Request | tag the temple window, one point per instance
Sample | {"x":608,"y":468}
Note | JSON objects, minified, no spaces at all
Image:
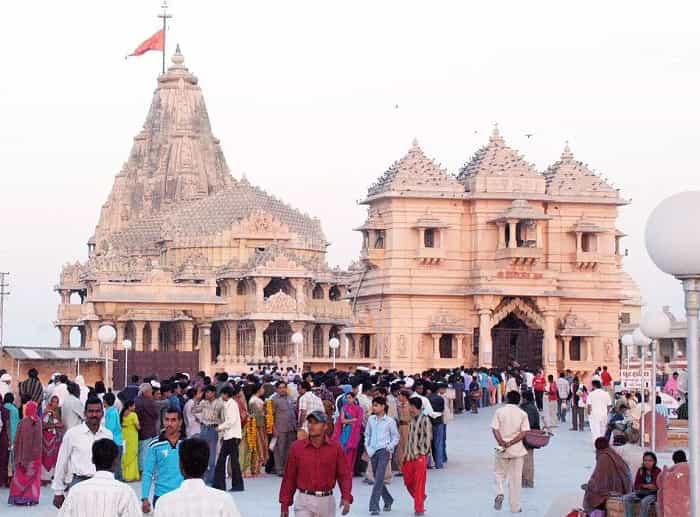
{"x":241,"y":288}
{"x":429,"y":238}
{"x":334,"y":293}
{"x":218,"y":290}
{"x":625,"y":318}
{"x":318,"y":341}
{"x":279,"y":284}
{"x":317,"y":293}
{"x":379,"y":240}
{"x":589,"y":242}
{"x":445,"y":346}
{"x":575,"y":348}
{"x":365,"y":346}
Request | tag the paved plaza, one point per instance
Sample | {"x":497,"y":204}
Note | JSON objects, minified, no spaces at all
{"x":463,"y":488}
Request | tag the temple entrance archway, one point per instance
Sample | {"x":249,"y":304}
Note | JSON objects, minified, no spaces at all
{"x":514,"y":340}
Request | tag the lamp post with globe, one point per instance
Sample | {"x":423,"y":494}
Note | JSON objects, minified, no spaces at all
{"x":673,"y":243}
{"x":127,"y":346}
{"x":334,"y":343}
{"x":297,"y":340}
{"x":106,"y":336}
{"x":642,"y":341}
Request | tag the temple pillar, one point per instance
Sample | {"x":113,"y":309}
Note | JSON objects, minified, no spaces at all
{"x":579,"y":244}
{"x":260,"y":283}
{"x":260,"y":327}
{"x":567,"y":349}
{"x":204,"y":346}
{"x":351,"y":338}
{"x":501,"y":235}
{"x":299,"y":285}
{"x":325,"y":331}
{"x":512,"y":237}
{"x":138,"y":335}
{"x":65,"y":296}
{"x":155,"y":336}
{"x":460,"y":346}
{"x":589,"y":349}
{"x":121,"y":334}
{"x":485,"y":342}
{"x":186,"y":343}
{"x":676,"y":348}
{"x":549,"y":343}
{"x":436,"y":345}
{"x":65,"y":335}
{"x":92,"y":341}
{"x":538,"y":235}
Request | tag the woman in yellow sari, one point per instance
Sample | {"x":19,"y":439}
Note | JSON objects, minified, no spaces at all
{"x":130,"y":434}
{"x":254,"y":446}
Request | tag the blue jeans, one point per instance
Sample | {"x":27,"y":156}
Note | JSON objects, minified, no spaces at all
{"x":380,"y":460}
{"x":211,"y":436}
{"x":485,"y":397}
{"x":646,"y":502}
{"x":439,"y":445}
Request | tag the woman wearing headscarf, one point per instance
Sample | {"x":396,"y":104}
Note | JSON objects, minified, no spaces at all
{"x":52,"y":426}
{"x":26,"y":482}
{"x":348,"y":427}
{"x":611,"y":475}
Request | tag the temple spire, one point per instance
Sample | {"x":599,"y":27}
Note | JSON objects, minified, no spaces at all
{"x":566,"y":154}
{"x":496,"y":134}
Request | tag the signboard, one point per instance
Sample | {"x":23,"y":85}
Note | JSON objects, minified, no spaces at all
{"x":631,"y":379}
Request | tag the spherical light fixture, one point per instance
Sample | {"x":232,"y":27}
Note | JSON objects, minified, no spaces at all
{"x":671,"y":236}
{"x":640,"y":339}
{"x":297,"y":338}
{"x":106,"y":335}
{"x":655,"y":324}
{"x":334,"y":343}
{"x":127,"y":344}
{"x":627,"y":341}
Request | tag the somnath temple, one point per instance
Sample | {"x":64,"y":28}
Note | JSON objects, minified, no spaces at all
{"x":499,"y":263}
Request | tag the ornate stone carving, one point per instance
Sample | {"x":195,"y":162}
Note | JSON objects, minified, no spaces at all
{"x":444,"y":321}
{"x":574,"y":325}
{"x":280,"y":303}
{"x":402,"y":346}
{"x":526,"y":311}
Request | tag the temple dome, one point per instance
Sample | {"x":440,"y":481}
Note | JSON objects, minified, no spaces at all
{"x":570,"y":177}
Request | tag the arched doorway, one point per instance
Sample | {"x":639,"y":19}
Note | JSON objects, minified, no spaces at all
{"x":514,"y":340}
{"x":318,"y":341}
{"x":446,"y":346}
{"x":277,"y":339}
{"x":365,"y":346}
{"x":279,"y":284}
{"x":215,"y":341}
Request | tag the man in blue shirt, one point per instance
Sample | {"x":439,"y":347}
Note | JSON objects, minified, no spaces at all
{"x":163,"y":461}
{"x":381,"y":438}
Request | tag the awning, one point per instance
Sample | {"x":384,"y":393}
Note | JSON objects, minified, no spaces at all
{"x":51,"y":354}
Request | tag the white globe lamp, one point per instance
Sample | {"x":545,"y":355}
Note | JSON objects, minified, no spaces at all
{"x":655,"y":324}
{"x":334,"y":343}
{"x":127,"y":346}
{"x":640,"y":339}
{"x":106,"y":335}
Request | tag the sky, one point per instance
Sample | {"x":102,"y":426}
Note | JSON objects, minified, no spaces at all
{"x":313,"y":100}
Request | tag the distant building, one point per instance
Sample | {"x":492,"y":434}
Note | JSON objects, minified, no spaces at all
{"x":498,"y":264}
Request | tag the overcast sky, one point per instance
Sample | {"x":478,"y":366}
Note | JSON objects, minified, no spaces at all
{"x":302,"y":95}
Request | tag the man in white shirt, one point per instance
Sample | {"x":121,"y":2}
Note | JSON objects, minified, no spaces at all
{"x":307,"y":404}
{"x":75,"y":454}
{"x":102,"y":495}
{"x":509,"y":426}
{"x":230,"y":433}
{"x":599,"y":405}
{"x":72,"y":410}
{"x":563,"y":390}
{"x":194,"y":498}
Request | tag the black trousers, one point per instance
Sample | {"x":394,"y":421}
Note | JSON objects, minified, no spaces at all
{"x":228,"y":448}
{"x":538,"y":399}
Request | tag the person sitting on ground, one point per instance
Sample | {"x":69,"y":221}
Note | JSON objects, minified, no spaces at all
{"x":645,"y":487}
{"x":610,"y":476}
{"x":194,"y":498}
{"x":102,"y":494}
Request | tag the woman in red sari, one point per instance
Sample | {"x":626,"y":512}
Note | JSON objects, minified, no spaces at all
{"x":53,"y":435}
{"x":348,"y":428}
{"x":26,"y":482}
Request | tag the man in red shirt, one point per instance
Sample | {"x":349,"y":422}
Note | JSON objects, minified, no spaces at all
{"x":606,"y":379}
{"x":313,"y":467}
{"x":538,"y":386}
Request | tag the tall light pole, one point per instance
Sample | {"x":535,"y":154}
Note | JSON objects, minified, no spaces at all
{"x":106,"y":336}
{"x":127,"y":346}
{"x":628,"y":343}
{"x":655,"y":325}
{"x":673,"y":243}
{"x":334,"y":343}
{"x":642,"y":342}
{"x":297,"y":340}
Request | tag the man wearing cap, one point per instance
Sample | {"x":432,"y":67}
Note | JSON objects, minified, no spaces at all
{"x":314,"y":465}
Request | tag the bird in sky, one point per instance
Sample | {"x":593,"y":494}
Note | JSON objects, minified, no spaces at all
{"x":528,"y":135}
{"x":396,"y":106}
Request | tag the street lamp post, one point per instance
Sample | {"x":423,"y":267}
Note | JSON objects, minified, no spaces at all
{"x":106,"y":336}
{"x":655,"y":325}
{"x":643,"y":342}
{"x":127,"y":346}
{"x":297,"y":339}
{"x":673,"y":243}
{"x":628,"y":343}
{"x":334,"y":343}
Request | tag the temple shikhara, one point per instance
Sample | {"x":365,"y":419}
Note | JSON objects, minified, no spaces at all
{"x":201,"y":270}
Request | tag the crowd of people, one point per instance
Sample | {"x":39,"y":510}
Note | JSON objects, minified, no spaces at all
{"x":314,"y":430}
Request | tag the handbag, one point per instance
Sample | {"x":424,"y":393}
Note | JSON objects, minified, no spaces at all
{"x":536,"y":439}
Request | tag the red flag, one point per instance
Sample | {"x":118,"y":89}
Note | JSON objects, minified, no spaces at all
{"x":155,"y":42}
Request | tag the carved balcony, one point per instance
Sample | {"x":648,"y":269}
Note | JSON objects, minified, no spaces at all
{"x":587,"y":260}
{"x":430,"y":255}
{"x":522,"y":256}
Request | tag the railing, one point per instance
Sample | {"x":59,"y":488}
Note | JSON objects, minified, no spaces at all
{"x":72,"y":312}
{"x":339,"y":310}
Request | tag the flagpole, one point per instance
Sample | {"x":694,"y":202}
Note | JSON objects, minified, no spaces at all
{"x":165,"y":17}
